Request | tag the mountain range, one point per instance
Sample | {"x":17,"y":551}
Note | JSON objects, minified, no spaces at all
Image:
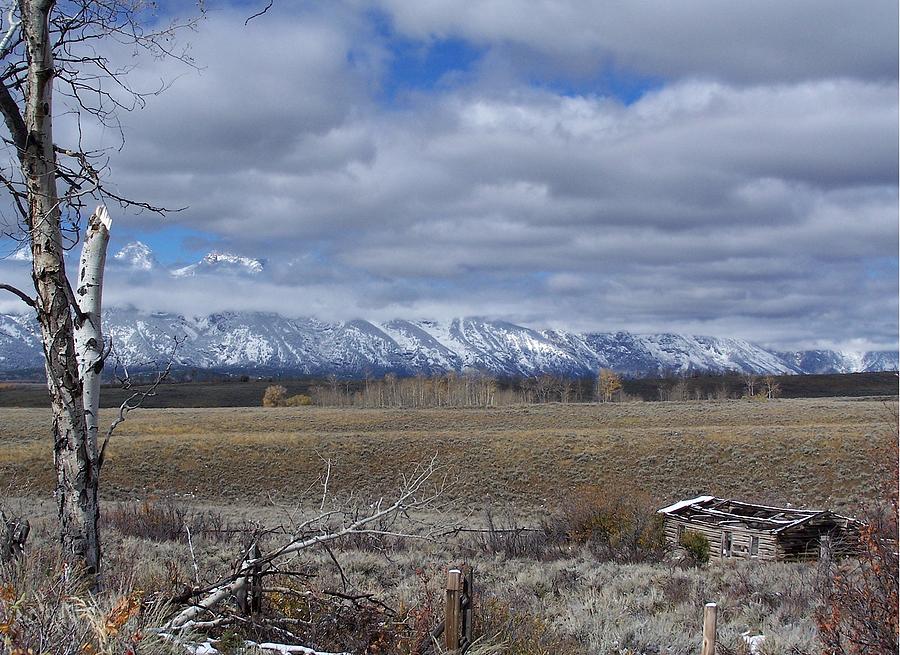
{"x":251,"y":341}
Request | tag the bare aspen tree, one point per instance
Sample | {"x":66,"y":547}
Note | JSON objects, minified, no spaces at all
{"x":567,"y":387}
{"x":679,"y":390}
{"x":608,"y":385}
{"x":49,"y":46}
{"x":773,"y":389}
{"x":750,"y":381}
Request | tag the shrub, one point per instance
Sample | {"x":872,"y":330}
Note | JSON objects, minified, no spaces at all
{"x":149,"y":519}
{"x":46,"y":608}
{"x":621,"y":528}
{"x":300,"y":400}
{"x":274,"y":396}
{"x":859,"y":601}
{"x":520,"y":632}
{"x":165,"y":520}
{"x":697,"y":547}
{"x":507,"y":538}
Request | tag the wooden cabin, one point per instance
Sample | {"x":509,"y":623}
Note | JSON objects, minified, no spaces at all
{"x":745,"y":530}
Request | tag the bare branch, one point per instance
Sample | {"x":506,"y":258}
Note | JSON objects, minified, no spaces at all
{"x":327,"y":463}
{"x":28,"y":300}
{"x":136,"y":399}
{"x":15,"y":122}
{"x":411,"y":494}
{"x":10,"y":30}
{"x":259,"y":13}
{"x":190,"y":541}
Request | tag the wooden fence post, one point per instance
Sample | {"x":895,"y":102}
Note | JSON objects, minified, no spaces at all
{"x":256,"y":589}
{"x":709,"y":629}
{"x":452,"y":610}
{"x":249,"y":599}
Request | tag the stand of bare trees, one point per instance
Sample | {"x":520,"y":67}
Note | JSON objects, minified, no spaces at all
{"x":473,"y":388}
{"x":450,"y":390}
{"x":468,"y":389}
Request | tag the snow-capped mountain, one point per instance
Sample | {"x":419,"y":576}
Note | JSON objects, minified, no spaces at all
{"x":222,"y":262}
{"x":257,"y":341}
{"x":20,"y":342}
{"x":830,"y":361}
{"x":136,"y":256}
{"x":23,"y":254}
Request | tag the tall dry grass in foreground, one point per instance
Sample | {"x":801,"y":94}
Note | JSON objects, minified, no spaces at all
{"x":577,"y":585}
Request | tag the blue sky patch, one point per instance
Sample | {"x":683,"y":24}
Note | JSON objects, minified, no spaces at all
{"x":171,"y":244}
{"x":612,"y":82}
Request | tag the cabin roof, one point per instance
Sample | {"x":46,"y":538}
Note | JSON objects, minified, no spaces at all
{"x":724,"y":512}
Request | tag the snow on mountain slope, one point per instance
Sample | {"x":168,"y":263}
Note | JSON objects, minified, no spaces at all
{"x":222,"y":262}
{"x":880,"y":360}
{"x":247,"y":340}
{"x":20,"y":342}
{"x":136,"y":256}
{"x":422,"y":350}
{"x":634,"y":354}
{"x":830,"y":361}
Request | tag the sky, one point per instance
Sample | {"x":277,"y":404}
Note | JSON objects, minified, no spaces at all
{"x":704,"y":167}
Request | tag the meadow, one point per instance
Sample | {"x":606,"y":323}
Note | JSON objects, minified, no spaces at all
{"x":185,"y":489}
{"x":817,"y":452}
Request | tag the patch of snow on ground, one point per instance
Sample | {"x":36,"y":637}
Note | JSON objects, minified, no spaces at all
{"x":754,"y":643}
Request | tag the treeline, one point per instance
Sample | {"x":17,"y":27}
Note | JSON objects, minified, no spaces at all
{"x":450,"y":390}
{"x":243,"y":390}
{"x":478,"y":389}
{"x":469,"y":389}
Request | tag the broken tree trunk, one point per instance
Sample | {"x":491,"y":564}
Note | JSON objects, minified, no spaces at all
{"x":88,"y":334}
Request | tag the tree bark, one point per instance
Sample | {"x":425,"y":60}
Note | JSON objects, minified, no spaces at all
{"x":74,"y":459}
{"x":88,"y":334}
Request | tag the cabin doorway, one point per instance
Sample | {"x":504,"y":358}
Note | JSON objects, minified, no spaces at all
{"x":726,"y":544}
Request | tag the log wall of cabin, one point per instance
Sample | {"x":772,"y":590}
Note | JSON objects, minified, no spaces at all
{"x":803,"y":542}
{"x":740,"y":539}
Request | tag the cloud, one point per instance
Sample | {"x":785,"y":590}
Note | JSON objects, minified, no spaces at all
{"x":750,"y":42}
{"x":743,"y":197}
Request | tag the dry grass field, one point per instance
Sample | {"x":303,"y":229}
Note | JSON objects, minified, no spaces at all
{"x":539,"y":593}
{"x":818,"y":452}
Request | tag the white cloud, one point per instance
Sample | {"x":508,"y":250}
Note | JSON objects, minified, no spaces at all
{"x":761,"y":205}
{"x":760,"y":41}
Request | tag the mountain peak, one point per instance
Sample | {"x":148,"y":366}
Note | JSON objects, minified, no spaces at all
{"x":137,"y":255}
{"x":228,"y":259}
{"x":217,"y":261}
{"x":23,"y":254}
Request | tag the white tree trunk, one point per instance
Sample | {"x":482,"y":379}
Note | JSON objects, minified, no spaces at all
{"x":88,"y":335}
{"x":75,"y":462}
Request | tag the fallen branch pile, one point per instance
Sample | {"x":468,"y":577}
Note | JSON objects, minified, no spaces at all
{"x":236,"y":602}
